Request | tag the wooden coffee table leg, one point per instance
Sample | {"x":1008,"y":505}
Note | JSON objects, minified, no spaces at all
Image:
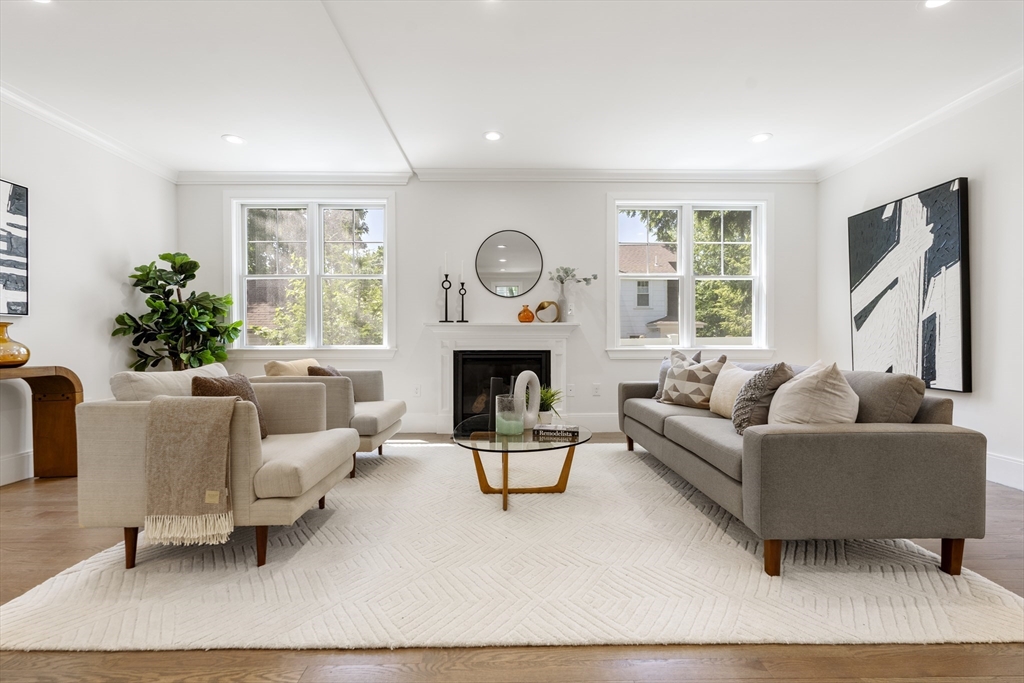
{"x":481,"y":476}
{"x":504,"y":481}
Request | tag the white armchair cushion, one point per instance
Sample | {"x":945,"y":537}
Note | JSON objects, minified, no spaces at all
{"x":145,"y":386}
{"x":373,"y":417}
{"x":295,"y":463}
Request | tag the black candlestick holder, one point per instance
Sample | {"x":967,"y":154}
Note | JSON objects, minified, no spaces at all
{"x":446,"y":284}
{"x":462,"y":295}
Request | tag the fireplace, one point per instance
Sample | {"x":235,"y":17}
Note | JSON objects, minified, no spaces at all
{"x":472,"y":372}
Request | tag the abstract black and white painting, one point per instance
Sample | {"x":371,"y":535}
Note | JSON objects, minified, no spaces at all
{"x":14,"y":249}
{"x":909,"y":287}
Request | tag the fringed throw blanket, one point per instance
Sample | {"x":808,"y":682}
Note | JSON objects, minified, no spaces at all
{"x":187,"y":470}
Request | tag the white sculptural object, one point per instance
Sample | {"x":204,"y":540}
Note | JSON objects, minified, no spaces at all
{"x":528,"y":380}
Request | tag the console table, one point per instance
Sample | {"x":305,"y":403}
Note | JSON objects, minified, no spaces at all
{"x":55,"y":393}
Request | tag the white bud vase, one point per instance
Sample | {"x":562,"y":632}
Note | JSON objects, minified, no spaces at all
{"x":563,"y":305}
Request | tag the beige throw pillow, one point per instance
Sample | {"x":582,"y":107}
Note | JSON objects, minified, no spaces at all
{"x":730,"y":380}
{"x":691,"y":385}
{"x":288,"y":368}
{"x":818,"y":395}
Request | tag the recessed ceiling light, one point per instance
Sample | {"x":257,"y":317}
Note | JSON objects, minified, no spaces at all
{"x":502,"y":260}
{"x":501,"y":246}
{"x":43,"y":2}
{"x":932,"y":4}
{"x":503,"y":270}
{"x":761,"y":137}
{"x":492,"y":135}
{"x":233,"y":139}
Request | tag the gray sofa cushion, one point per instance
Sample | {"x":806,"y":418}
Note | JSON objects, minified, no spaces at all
{"x":652,"y":414}
{"x":373,"y":417}
{"x":715,"y":441}
{"x":295,"y":463}
{"x":886,"y":397}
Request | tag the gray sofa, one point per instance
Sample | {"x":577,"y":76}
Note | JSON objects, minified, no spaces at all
{"x":876,"y":478}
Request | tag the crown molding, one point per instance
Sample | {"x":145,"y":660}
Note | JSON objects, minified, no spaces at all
{"x":269,"y":178}
{"x":605,"y":176}
{"x":955,"y":107}
{"x":55,"y":117}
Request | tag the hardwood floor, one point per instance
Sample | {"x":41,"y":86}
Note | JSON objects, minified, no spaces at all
{"x":40,"y":537}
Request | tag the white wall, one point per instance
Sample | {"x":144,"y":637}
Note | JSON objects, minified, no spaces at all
{"x":568,"y":221}
{"x":985,"y":144}
{"x":93,"y":217}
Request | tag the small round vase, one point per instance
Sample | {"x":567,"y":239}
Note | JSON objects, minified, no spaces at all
{"x":13,"y":354}
{"x":526,"y":315}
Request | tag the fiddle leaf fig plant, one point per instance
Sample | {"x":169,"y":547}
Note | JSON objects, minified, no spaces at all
{"x":188,"y":331}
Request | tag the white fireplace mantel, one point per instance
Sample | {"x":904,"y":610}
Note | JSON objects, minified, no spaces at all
{"x":496,"y":337}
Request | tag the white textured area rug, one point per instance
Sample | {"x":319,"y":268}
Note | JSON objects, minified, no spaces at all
{"x":412,"y":554}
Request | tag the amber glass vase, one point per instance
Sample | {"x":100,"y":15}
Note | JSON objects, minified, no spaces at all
{"x":526,"y":315}
{"x":12,"y":354}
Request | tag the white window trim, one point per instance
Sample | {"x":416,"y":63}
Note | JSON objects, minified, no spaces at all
{"x":764,"y":341}
{"x":235,"y":263}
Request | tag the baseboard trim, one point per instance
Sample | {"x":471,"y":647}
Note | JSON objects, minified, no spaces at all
{"x":1006,"y":470}
{"x":15,"y":467}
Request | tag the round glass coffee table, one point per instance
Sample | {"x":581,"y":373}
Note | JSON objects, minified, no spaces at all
{"x":473,"y":434}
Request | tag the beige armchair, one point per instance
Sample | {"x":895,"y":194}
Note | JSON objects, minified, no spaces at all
{"x":274,"y":481}
{"x":356,"y":400}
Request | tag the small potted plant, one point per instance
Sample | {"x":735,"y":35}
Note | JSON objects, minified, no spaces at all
{"x":548,"y":398}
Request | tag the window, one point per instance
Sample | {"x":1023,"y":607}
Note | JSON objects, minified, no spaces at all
{"x":314,"y":274}
{"x":643,"y":294}
{"x":688,"y":275}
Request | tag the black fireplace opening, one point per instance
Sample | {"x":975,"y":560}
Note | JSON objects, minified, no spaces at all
{"x":473,"y":371}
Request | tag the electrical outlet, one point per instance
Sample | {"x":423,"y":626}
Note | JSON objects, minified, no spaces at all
{"x":572,"y":309}
{"x":596,"y":390}
{"x":416,"y":390}
{"x":570,"y":390}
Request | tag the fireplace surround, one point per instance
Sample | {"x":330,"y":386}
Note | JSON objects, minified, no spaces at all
{"x":472,"y":371}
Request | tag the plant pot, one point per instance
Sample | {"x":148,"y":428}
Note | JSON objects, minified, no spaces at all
{"x":544,"y":417}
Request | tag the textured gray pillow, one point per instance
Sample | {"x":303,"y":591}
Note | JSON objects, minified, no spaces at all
{"x":754,"y":399}
{"x":665,"y":365}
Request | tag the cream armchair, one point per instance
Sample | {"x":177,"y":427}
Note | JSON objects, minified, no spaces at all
{"x":274,"y":481}
{"x":356,"y":400}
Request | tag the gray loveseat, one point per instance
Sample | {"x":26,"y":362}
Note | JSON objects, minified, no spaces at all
{"x":873,"y":479}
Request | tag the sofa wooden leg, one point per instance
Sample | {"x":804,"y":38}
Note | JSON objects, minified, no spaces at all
{"x":380,"y":449}
{"x":952,"y":556}
{"x":131,"y":543}
{"x":323,"y":501}
{"x":772,"y":556}
{"x":352,"y":474}
{"x":262,"y":532}
{"x":629,"y":443}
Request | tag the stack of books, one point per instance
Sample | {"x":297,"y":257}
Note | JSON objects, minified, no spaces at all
{"x":556,"y":433}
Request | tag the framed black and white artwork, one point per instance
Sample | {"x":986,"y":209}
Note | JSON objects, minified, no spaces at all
{"x":14,"y":249}
{"x":910,"y":287}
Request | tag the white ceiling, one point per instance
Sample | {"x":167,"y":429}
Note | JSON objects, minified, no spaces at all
{"x":572,"y":85}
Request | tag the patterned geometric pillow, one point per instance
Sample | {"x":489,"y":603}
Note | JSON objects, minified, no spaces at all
{"x":675,"y":356}
{"x":755,"y":398}
{"x":691,"y":385}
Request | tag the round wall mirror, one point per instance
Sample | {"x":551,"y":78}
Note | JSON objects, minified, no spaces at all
{"x":509,"y":263}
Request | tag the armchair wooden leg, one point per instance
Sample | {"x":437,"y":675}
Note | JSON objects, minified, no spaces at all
{"x":952,"y":556}
{"x":262,"y":532}
{"x":352,"y":474}
{"x":323,"y":501}
{"x":131,"y":543}
{"x":380,"y":449}
{"x":772,"y":556}
{"x":629,"y":443}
